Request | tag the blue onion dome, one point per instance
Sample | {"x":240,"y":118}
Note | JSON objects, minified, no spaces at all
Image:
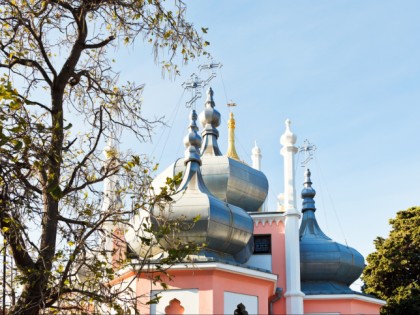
{"x":226,"y":230}
{"x":327,"y":267}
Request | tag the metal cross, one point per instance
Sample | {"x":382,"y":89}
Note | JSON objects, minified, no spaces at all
{"x":231,"y":104}
{"x":308,"y":149}
{"x":211,"y":66}
{"x":194,"y":84}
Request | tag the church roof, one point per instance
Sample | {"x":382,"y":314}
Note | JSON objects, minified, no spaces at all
{"x":327,"y":267}
{"x":226,"y":178}
{"x":225,"y":229}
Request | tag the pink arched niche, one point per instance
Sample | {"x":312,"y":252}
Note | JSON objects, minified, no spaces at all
{"x":174,"y":308}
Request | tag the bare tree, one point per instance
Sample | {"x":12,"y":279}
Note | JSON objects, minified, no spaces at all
{"x":56,"y":53}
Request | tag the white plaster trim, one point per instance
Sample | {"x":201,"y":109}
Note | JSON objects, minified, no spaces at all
{"x":345,"y":297}
{"x":228,"y":268}
{"x":268,"y":218}
{"x":211,"y":265}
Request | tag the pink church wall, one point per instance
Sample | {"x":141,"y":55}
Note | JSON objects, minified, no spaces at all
{"x":278,"y":261}
{"x":211,"y":285}
{"x":343,"y":306}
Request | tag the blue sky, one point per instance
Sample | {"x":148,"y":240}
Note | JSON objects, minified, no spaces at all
{"x":346,"y":73}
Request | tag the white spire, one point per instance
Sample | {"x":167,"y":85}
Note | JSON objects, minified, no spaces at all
{"x":256,"y":157}
{"x":293,"y":294}
{"x":256,"y":163}
{"x":288,"y":140}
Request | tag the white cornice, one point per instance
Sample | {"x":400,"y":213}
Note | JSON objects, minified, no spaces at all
{"x":345,"y":297}
{"x":227,"y":268}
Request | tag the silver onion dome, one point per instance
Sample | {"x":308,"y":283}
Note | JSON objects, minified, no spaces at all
{"x":327,"y":267}
{"x":225,"y":229}
{"x":226,"y":178}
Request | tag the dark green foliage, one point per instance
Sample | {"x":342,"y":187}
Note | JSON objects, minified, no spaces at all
{"x":393,"y":271}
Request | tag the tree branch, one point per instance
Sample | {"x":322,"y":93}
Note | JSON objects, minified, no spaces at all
{"x":72,"y":221}
{"x":29,"y":63}
{"x":68,"y":188}
{"x":12,"y":233}
{"x":100,"y":44}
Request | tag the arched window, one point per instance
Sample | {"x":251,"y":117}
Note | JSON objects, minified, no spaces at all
{"x":174,"y":307}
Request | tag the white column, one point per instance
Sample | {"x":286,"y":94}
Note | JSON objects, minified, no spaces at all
{"x":294,"y":296}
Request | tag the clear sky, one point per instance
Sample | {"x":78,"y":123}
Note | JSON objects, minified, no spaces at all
{"x":346,"y":73}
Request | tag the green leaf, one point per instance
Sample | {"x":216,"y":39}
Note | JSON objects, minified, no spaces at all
{"x":55,"y":191}
{"x":68,"y":126}
{"x":18,"y":145}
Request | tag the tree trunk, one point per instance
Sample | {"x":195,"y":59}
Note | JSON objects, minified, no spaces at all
{"x":35,"y":292}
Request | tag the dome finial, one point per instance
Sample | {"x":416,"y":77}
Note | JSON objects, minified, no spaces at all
{"x":308,"y":193}
{"x":210,"y":94}
{"x":192,"y":140}
{"x":288,"y":137}
{"x":231,"y":151}
{"x":210,"y":120}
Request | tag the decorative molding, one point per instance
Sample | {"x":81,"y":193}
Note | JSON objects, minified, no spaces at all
{"x":264,"y":218}
{"x":227,"y":268}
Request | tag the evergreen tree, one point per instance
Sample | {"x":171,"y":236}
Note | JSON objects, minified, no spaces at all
{"x":393,"y":271}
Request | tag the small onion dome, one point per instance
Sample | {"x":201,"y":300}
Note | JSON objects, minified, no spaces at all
{"x":326,"y":267}
{"x":225,"y":229}
{"x":288,"y":137}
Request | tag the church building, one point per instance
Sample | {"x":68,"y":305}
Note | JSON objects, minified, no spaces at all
{"x":255,"y":260}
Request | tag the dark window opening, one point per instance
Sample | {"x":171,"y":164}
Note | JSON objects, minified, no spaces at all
{"x":262,"y":244}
